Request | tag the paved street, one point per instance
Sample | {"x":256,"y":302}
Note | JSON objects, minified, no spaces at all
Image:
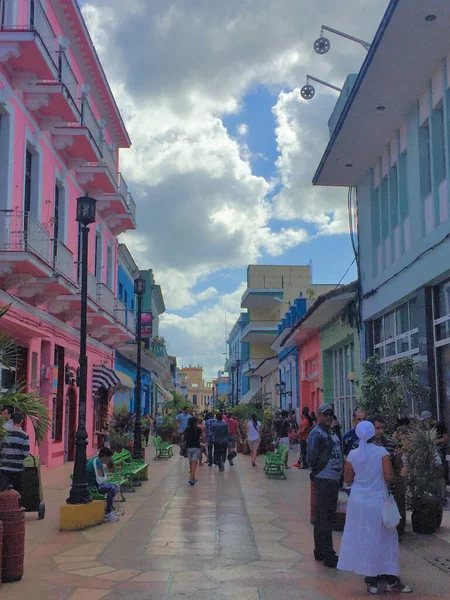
{"x":235,"y":535}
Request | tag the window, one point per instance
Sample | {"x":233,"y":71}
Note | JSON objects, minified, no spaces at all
{"x":120,"y":291}
{"x":27,"y":186}
{"x":344,"y":395}
{"x":98,"y":256}
{"x":441,"y":294}
{"x":440,"y":168}
{"x":425,"y":160}
{"x":194,"y":399}
{"x":110,"y":267}
{"x":125,"y":298}
{"x":56,"y":224}
{"x":311,"y":368}
{"x":395,"y":334}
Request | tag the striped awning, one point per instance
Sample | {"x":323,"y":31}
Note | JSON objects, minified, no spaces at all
{"x":104,"y":377}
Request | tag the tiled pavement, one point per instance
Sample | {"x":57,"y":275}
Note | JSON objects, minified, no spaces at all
{"x":235,"y":536}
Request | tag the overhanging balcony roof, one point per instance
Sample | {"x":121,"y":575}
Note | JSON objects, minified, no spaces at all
{"x":263,"y":332}
{"x":257,"y":298}
{"x":405,"y":53}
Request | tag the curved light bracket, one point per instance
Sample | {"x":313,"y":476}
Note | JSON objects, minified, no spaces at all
{"x":322,"y":44}
{"x":308,"y":91}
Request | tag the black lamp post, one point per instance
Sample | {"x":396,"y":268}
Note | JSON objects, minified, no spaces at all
{"x":281,"y":391}
{"x":139,"y":290}
{"x":79,"y":492}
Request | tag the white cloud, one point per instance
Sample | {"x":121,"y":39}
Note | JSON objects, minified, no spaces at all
{"x":207,"y":294}
{"x":200,"y":339}
{"x":176,"y":69}
{"x":242,"y":129}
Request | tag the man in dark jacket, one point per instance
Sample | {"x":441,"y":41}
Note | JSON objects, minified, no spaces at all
{"x":220,"y":435}
{"x":325,"y":458}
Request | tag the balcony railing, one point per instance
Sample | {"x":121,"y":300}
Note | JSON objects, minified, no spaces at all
{"x":123,"y":188}
{"x":132,"y":206}
{"x":40,"y":23}
{"x":88,"y":120}
{"x":20,"y":232}
{"x":124,"y":316}
{"x":105,"y":298}
{"x":110,"y":160}
{"x":63,"y":261}
{"x":92,"y":287}
{"x":67,"y":77}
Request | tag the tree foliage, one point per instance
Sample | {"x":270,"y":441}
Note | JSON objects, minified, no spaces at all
{"x":389,"y":390}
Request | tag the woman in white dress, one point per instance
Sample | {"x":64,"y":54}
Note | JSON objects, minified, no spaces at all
{"x":368,"y":547}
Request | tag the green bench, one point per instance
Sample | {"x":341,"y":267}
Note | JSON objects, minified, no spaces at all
{"x":129,"y":470}
{"x":163,"y":449}
{"x":275,"y":463}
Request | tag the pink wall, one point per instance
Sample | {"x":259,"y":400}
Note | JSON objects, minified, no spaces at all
{"x":310,"y":395}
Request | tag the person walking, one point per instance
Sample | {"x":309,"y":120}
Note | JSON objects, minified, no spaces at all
{"x":282,"y":427}
{"x":181,"y":423}
{"x":210,"y":420}
{"x":201,"y":424}
{"x":220,"y":435}
{"x":254,"y":437}
{"x":15,"y":449}
{"x":147,"y":427}
{"x":234,"y":431}
{"x":192,"y":438}
{"x":303,"y":432}
{"x":324,"y":456}
{"x":368,"y":547}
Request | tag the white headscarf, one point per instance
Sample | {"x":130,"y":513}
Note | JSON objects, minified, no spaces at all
{"x":365,"y":431}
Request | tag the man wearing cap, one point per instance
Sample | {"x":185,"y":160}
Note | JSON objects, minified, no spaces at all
{"x":325,"y":458}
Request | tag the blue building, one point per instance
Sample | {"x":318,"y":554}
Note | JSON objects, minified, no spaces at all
{"x":238,"y":358}
{"x":125,"y":359}
{"x":390,"y":145}
{"x":288,"y":357}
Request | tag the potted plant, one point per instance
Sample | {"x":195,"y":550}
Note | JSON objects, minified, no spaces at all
{"x":424,"y":479}
{"x":167,"y":428}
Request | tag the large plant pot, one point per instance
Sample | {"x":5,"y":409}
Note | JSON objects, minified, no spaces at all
{"x":427,"y":516}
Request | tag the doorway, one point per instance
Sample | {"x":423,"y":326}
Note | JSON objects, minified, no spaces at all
{"x":71,"y":425}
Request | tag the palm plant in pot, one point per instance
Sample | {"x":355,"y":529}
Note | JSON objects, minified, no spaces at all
{"x":424,"y":479}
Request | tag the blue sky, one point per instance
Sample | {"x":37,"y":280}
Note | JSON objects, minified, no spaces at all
{"x":211,"y":199}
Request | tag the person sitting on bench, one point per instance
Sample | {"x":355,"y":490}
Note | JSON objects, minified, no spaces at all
{"x":96,"y":477}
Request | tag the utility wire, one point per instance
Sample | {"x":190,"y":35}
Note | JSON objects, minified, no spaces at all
{"x":348,"y":269}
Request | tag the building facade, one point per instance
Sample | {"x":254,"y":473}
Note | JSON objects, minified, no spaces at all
{"x":198,"y":391}
{"x":400,"y":186}
{"x":270,"y":289}
{"x":238,"y":357}
{"x":60,"y":133}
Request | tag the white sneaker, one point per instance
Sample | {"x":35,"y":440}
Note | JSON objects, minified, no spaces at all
{"x":111,"y":517}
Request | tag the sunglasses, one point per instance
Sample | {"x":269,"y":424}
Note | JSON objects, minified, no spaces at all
{"x":328,"y":413}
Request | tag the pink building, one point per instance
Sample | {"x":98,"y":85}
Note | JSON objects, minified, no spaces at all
{"x":60,"y":131}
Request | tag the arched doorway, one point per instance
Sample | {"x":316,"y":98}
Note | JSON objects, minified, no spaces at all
{"x":71,"y":424}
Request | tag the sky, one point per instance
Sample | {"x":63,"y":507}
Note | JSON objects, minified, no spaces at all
{"x":224,"y":147}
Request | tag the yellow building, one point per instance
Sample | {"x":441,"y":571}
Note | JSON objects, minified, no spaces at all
{"x":198,"y":391}
{"x":271,"y":290}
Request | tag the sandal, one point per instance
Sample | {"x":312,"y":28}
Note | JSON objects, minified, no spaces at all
{"x":398,"y":587}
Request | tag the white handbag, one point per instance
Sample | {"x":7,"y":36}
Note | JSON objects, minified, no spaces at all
{"x":391,"y":514}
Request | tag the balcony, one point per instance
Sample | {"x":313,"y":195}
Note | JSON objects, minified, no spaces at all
{"x":31,"y":263}
{"x":101,"y":175}
{"x":125,"y":317}
{"x":118,"y":209}
{"x":262,"y":298}
{"x":263,"y":332}
{"x":82,"y":141}
{"x":28,"y":44}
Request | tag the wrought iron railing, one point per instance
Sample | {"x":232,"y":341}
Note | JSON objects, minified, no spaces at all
{"x":21,"y":232}
{"x":92,"y":287}
{"x":123,"y":188}
{"x":88,"y":120}
{"x":41,"y":24}
{"x":67,"y":77}
{"x":110,"y":160}
{"x":63,"y":261}
{"x":132,"y":206}
{"x":105,"y":298}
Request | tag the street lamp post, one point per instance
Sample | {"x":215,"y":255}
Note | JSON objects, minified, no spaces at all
{"x":79,"y":492}
{"x":139,"y":290}
{"x":281,"y":391}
